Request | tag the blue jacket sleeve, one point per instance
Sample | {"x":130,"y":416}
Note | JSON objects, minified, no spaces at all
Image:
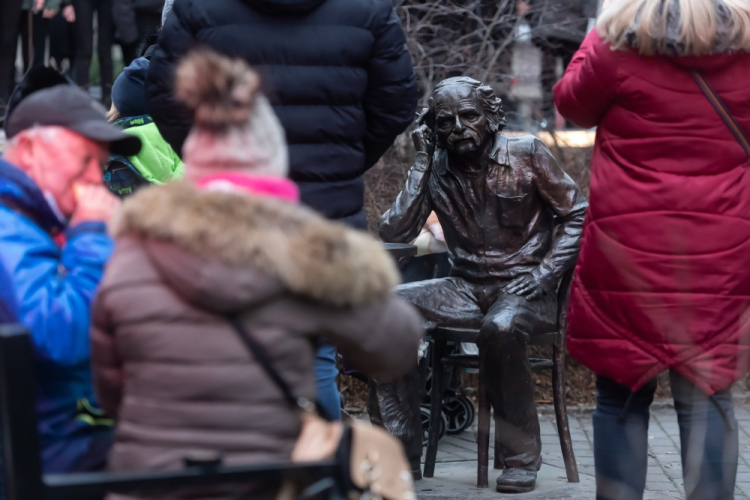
{"x":391,"y":98}
{"x":55,"y":288}
{"x":8,"y":306}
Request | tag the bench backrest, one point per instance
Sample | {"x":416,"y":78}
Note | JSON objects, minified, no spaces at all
{"x":22,"y":464}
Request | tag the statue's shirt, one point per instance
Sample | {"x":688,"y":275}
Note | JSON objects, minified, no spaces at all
{"x":498,"y":223}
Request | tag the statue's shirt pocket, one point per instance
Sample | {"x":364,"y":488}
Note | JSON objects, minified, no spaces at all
{"x":511,"y":210}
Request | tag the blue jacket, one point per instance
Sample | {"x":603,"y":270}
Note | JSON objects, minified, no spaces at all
{"x":54,"y":288}
{"x":8,"y":307}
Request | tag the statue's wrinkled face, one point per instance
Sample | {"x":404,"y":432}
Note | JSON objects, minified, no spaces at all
{"x":461,"y":123}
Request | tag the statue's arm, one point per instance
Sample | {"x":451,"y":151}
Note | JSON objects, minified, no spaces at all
{"x":409,"y":213}
{"x":562,"y":195}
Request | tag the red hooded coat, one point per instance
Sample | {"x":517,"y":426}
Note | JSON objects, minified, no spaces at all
{"x":663,"y":278}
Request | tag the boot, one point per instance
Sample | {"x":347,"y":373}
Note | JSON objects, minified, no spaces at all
{"x":516,"y":481}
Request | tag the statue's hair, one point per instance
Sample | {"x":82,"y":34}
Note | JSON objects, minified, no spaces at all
{"x":491,"y":103}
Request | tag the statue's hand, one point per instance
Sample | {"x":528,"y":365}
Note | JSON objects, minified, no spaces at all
{"x":422,"y":352}
{"x":422,"y":138}
{"x":525,"y":286}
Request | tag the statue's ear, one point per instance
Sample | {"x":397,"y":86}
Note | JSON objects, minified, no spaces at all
{"x":422,"y":117}
{"x":493,"y":125}
{"x":427,"y":117}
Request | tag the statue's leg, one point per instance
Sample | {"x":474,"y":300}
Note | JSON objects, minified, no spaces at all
{"x":395,"y":404}
{"x":506,"y":371}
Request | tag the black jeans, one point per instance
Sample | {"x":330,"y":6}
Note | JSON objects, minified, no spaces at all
{"x":62,"y":40}
{"x":40,"y":29}
{"x":85,"y":10}
{"x":9,"y":12}
{"x":708,"y":439}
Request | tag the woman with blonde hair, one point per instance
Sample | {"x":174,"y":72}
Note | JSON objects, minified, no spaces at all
{"x":663,"y":278}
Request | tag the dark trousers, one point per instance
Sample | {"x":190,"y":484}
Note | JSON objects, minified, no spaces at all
{"x":85,"y":10}
{"x":394,"y":405}
{"x":552,"y":49}
{"x":10,"y":10}
{"x":506,"y":324}
{"x":708,"y":439}
{"x":62,"y":43}
{"x":147,"y":23}
{"x":39,"y":27}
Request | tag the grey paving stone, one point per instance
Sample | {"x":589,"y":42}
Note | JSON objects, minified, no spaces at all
{"x":456,"y":470}
{"x":661,"y":486}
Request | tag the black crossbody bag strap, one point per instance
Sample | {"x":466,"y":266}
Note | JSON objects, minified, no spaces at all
{"x":265,"y":361}
{"x":722,"y":110}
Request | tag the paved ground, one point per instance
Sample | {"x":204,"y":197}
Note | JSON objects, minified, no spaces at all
{"x":455,"y":474}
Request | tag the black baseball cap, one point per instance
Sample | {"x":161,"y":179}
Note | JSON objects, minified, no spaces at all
{"x":71,"y":108}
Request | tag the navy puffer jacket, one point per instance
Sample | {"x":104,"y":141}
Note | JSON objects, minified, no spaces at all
{"x":336,"y":71}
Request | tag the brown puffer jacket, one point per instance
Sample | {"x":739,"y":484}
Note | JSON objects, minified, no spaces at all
{"x":171,"y":369}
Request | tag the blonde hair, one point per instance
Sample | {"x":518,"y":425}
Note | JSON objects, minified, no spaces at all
{"x":682,"y":27}
{"x":113,"y":114}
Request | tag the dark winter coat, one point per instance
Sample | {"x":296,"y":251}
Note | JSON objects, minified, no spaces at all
{"x":125,"y":14}
{"x":663,"y":277}
{"x":168,"y":364}
{"x":565,"y":20}
{"x":336,"y":71}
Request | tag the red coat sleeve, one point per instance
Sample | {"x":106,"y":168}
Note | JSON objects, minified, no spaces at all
{"x":588,"y":88}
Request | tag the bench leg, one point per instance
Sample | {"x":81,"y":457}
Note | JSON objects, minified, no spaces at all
{"x":561,"y":414}
{"x":436,"y":407}
{"x":483,"y":435}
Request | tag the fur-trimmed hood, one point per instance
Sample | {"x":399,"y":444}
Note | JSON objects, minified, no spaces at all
{"x":244,"y":248}
{"x":674,"y":44}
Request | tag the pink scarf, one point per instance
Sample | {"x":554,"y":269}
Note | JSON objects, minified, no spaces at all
{"x":273,"y":187}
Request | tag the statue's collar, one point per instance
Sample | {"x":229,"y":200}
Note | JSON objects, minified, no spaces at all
{"x":499,"y":154}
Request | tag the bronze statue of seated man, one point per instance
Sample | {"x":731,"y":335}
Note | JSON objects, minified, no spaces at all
{"x":512,"y":220}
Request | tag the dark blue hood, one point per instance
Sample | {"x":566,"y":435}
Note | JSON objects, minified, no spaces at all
{"x":20,"y":193}
{"x":129,"y":90}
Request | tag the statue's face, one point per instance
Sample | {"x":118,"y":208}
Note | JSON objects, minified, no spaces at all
{"x":461,"y":123}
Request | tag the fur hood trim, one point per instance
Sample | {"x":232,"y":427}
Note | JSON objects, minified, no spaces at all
{"x":313,"y":257}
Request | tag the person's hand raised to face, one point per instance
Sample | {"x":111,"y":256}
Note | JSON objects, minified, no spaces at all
{"x":67,"y":168}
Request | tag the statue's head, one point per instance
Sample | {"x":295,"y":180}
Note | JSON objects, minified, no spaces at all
{"x":464,"y":114}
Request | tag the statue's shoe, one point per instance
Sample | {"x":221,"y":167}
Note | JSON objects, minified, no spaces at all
{"x":516,"y":481}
